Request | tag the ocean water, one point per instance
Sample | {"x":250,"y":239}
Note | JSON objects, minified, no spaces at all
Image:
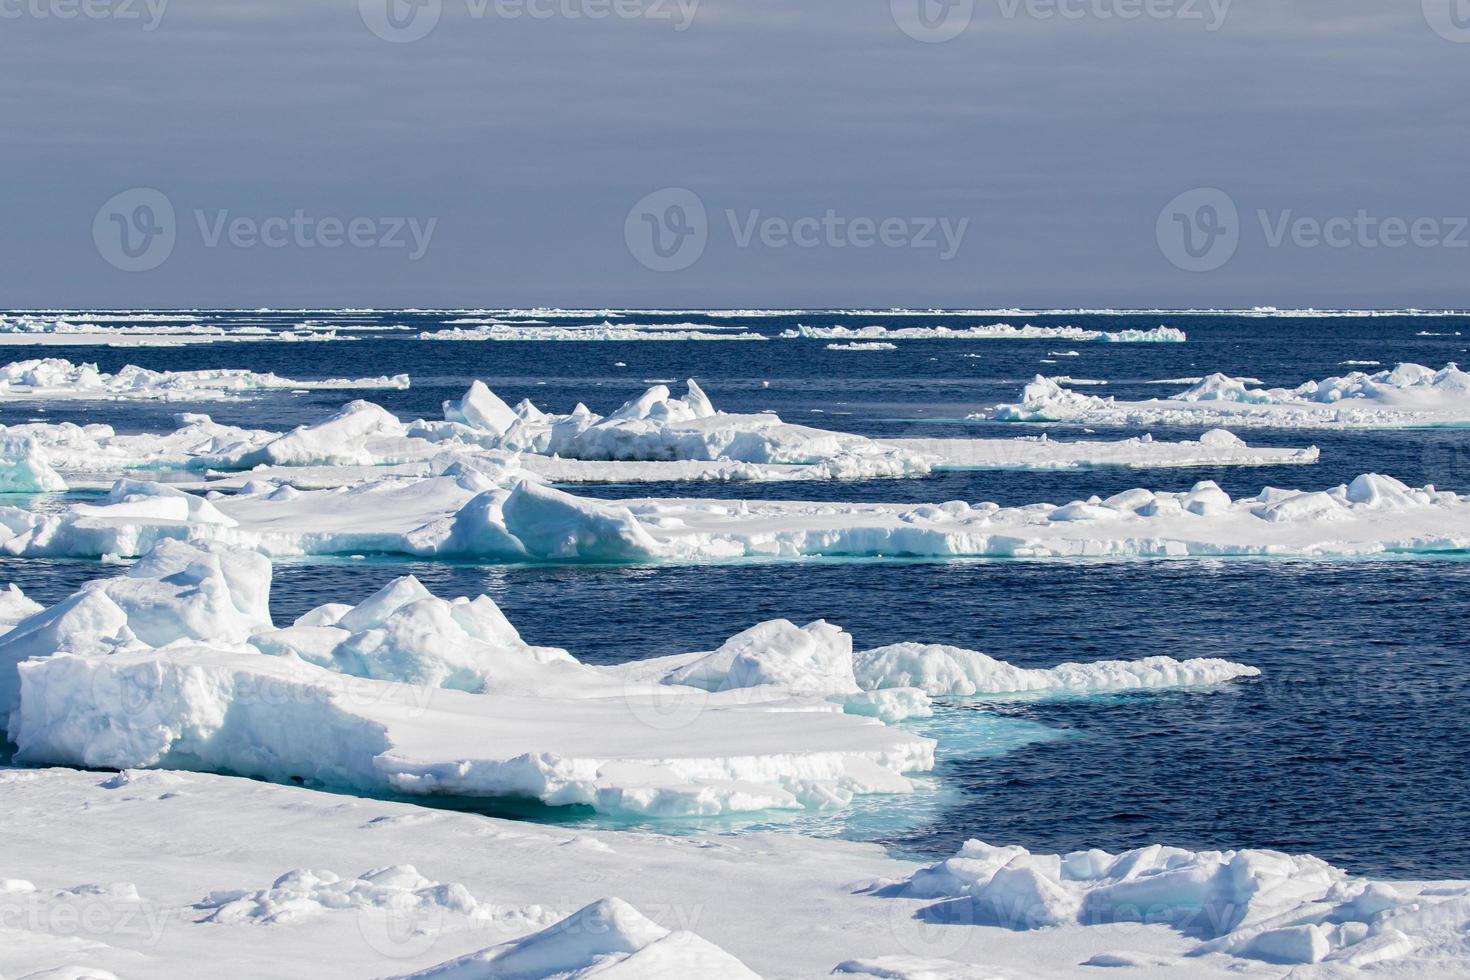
{"x":1352,"y":746}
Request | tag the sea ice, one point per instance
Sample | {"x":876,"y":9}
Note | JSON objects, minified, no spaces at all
{"x":994,"y":331}
{"x":608,"y":939}
{"x":1252,"y":904}
{"x":54,"y":379}
{"x":1407,"y":395}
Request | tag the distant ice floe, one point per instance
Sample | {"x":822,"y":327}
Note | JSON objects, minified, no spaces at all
{"x":994,"y":331}
{"x":175,"y":664}
{"x":467,"y":513}
{"x":860,"y":346}
{"x":496,"y":330}
{"x":1251,"y":904}
{"x":655,"y":437}
{"x":143,"y":330}
{"x":1409,"y":395}
{"x":54,"y":379}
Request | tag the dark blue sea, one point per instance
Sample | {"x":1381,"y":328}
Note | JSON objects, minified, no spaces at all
{"x":1353,"y":745}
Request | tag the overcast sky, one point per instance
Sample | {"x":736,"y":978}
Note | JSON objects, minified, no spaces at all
{"x":834,"y":153}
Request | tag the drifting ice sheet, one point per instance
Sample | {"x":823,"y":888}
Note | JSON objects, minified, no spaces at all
{"x":1409,"y":395}
{"x":54,"y":379}
{"x":467,"y":514}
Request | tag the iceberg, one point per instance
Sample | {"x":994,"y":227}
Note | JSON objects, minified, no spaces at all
{"x":55,"y":379}
{"x":1409,"y":395}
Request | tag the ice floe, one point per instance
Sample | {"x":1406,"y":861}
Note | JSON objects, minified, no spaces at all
{"x":496,"y":330}
{"x":1406,"y":396}
{"x":55,"y":379}
{"x":466,"y":513}
{"x":1251,"y":904}
{"x":994,"y":331}
{"x":144,"y":330}
{"x":175,"y":664}
{"x":654,"y":437}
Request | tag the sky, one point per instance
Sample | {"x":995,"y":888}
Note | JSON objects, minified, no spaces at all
{"x":734,"y":153}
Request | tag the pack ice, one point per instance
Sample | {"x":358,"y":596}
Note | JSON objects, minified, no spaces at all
{"x":993,"y":331}
{"x":55,"y":379}
{"x":175,"y":664}
{"x":502,"y":516}
{"x":1253,"y":904}
{"x":1407,"y":395}
{"x":652,"y":437}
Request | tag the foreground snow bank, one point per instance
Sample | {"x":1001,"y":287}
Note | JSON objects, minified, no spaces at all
{"x":54,"y":379}
{"x":608,"y":938}
{"x":994,"y":331}
{"x":1407,"y":395}
{"x":783,"y":905}
{"x":1259,"y":905}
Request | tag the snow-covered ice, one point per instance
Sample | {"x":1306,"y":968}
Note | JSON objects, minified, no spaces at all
{"x":175,"y":664}
{"x":495,"y":330}
{"x":994,"y":331}
{"x":55,"y":379}
{"x":1250,"y":904}
{"x":1409,"y":395}
{"x":466,"y":513}
{"x":655,"y":437}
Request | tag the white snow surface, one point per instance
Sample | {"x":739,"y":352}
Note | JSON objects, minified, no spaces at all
{"x":150,"y":856}
{"x":55,"y":379}
{"x":1406,"y":396}
{"x":1251,"y":904}
{"x":505,"y":331}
